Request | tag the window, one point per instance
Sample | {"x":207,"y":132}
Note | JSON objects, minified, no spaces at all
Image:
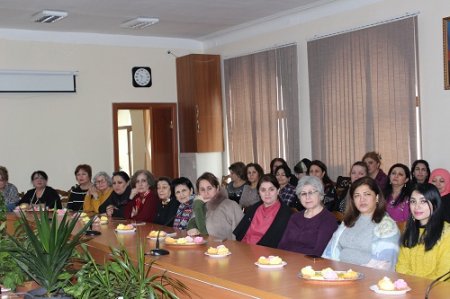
{"x":363,"y":95}
{"x":262,"y":106}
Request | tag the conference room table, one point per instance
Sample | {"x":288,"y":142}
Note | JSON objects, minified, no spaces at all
{"x":237,"y":276}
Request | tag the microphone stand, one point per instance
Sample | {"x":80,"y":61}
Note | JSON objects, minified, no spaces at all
{"x":432,"y":284}
{"x":90,"y":231}
{"x":157,"y":251}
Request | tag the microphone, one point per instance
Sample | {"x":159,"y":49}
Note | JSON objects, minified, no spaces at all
{"x":157,"y":251}
{"x":90,"y":231}
{"x":427,"y":292}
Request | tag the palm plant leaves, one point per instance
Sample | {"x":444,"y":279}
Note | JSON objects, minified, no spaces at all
{"x":45,"y":255}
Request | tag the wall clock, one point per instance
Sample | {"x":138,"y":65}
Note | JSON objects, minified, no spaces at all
{"x":142,"y":76}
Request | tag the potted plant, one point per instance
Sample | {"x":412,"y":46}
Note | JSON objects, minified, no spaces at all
{"x":11,"y":275}
{"x":45,"y":255}
{"x":120,"y":277}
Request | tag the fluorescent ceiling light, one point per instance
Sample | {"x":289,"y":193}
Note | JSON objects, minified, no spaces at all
{"x":49,"y":16}
{"x":139,"y":23}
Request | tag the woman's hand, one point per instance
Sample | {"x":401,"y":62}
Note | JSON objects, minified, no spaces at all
{"x":193,"y":232}
{"x":110,"y":210}
{"x":93,"y":192}
{"x":133,"y":193}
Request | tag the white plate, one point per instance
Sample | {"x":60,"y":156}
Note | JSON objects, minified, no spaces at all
{"x":5,"y":290}
{"x":319,"y":277}
{"x":378,"y":291}
{"x":217,"y":255}
{"x":125,"y":231}
{"x":163,"y":237}
{"x":283,"y":263}
{"x":138,"y":223}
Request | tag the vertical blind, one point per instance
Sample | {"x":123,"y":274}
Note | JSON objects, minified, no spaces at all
{"x":261,"y":96}
{"x":363,"y":95}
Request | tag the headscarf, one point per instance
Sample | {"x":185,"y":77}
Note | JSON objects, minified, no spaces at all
{"x":445,"y":175}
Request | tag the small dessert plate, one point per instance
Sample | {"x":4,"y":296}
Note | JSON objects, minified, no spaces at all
{"x":161,"y":238}
{"x":264,"y":266}
{"x":217,"y":255}
{"x":125,"y":231}
{"x":395,"y":292}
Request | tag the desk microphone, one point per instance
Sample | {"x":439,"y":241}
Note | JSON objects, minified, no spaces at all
{"x":158,"y":251}
{"x":90,"y":231}
{"x":435,"y":281}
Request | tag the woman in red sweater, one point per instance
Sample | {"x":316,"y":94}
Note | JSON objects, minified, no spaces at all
{"x":145,"y":201}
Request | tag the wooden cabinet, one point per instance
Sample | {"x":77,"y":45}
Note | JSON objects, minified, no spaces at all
{"x":200,"y":103}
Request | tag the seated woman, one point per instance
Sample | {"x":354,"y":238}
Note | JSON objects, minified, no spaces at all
{"x":83,"y":175}
{"x":8,"y":190}
{"x":275,"y":163}
{"x":222,"y":214}
{"x":145,"y":202}
{"x":367,"y":236}
{"x":397,"y":192}
{"x":250,"y":194}
{"x":41,"y":193}
{"x":265,"y":221}
{"x":98,"y":193}
{"x":309,"y":231}
{"x":358,"y":170}
{"x":238,"y":180}
{"x":184,"y":193}
{"x":441,"y":179}
{"x":420,"y":172}
{"x":319,"y":170}
{"x":287,"y":191}
{"x":425,"y":245}
{"x":114,"y":205}
{"x":167,"y":206}
{"x":301,"y":168}
{"x":373,"y":161}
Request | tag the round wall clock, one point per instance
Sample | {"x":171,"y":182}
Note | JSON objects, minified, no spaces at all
{"x":142,"y":76}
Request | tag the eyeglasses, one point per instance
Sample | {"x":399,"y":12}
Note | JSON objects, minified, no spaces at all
{"x":100,"y":182}
{"x":308,"y":194}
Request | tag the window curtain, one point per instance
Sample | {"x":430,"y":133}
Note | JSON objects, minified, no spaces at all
{"x":363,"y":95}
{"x":261,"y":97}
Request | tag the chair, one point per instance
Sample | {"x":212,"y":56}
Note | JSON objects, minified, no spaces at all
{"x":339,"y":216}
{"x":401,"y":226}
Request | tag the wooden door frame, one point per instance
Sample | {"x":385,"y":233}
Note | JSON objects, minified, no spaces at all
{"x":131,"y":106}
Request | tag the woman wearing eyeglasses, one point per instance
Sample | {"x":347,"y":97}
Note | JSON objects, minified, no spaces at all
{"x":367,"y":236}
{"x":41,"y":193}
{"x":98,"y":193}
{"x":265,"y":221}
{"x":425,"y":245}
{"x":309,"y":231}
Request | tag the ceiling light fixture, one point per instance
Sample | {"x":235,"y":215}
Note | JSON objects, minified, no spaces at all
{"x":139,"y":23}
{"x":49,"y":16}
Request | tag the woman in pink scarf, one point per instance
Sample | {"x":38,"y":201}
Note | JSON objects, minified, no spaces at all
{"x":441,"y":179}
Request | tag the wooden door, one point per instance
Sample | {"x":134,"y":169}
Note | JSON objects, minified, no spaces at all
{"x":164,"y":149}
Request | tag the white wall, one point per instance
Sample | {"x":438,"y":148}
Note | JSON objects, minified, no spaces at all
{"x":339,"y":16}
{"x":55,"y":132}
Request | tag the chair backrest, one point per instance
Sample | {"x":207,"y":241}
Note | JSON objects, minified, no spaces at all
{"x":338,"y":215}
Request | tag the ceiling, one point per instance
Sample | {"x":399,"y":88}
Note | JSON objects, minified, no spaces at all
{"x":191,"y":19}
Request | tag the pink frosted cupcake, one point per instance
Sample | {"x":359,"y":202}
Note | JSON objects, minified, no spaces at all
{"x":198,"y":240}
{"x":189,"y":239}
{"x":400,"y":284}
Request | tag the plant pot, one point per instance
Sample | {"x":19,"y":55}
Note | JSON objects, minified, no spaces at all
{"x":40,"y":293}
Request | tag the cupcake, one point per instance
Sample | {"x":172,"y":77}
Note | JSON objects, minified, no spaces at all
{"x":198,"y":240}
{"x":400,"y":284}
{"x":103,"y":220}
{"x":350,"y":274}
{"x":212,"y":250}
{"x":189,"y":239}
{"x":263,"y":260}
{"x":329,"y":274}
{"x":386,"y":284}
{"x":181,"y":241}
{"x":170,"y":240}
{"x":275,"y":260}
{"x":308,"y":272}
{"x":222,"y":250}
